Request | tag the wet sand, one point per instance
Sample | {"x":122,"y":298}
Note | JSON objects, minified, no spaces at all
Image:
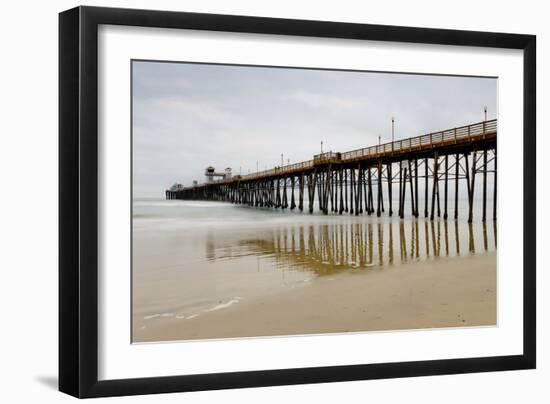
{"x":442,"y":292}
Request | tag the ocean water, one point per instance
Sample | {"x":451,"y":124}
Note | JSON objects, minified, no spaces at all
{"x":192,"y":257}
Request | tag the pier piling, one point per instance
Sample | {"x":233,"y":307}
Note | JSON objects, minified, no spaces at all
{"x":344,"y":182}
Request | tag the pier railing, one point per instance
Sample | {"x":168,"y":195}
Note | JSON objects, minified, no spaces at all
{"x":445,"y":137}
{"x":449,"y":136}
{"x":279,"y":170}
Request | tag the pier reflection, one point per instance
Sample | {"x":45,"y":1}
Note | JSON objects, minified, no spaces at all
{"x":330,"y":248}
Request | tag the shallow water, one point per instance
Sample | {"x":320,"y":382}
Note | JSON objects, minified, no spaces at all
{"x":190,"y":258}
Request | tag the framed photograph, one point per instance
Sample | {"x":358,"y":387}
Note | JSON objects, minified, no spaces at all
{"x":250,"y":201}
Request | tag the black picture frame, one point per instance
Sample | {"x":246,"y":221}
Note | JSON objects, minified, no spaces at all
{"x":78,"y":201}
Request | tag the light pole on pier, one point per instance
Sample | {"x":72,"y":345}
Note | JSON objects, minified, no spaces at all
{"x":392,"y":131}
{"x":485,"y":111}
{"x":321,"y":147}
{"x":282,"y":158}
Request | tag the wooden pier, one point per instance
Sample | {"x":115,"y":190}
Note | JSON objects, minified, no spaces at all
{"x":361,"y":181}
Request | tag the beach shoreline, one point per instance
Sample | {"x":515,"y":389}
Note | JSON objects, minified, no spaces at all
{"x":436,"y":293}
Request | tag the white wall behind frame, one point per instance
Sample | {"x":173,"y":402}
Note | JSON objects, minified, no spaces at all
{"x":29,"y":155}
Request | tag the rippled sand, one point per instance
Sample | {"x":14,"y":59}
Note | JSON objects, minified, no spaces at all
{"x":444,"y":292}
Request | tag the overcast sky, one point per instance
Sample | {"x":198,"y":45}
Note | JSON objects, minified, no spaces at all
{"x":190,"y":116}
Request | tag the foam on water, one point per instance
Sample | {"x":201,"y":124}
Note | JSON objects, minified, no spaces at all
{"x":224,"y":305}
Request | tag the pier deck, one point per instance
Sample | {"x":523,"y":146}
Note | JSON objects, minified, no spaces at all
{"x":349,"y":181}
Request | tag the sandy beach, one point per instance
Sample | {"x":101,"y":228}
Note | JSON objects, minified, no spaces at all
{"x":441,"y":292}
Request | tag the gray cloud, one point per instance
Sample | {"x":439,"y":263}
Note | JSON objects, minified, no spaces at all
{"x":189,"y":116}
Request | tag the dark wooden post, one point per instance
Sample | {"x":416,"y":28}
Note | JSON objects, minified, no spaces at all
{"x":467,"y":173}
{"x":426,"y":187}
{"x":334,"y":175}
{"x":292,"y":202}
{"x":346,"y":188}
{"x":371,"y":196}
{"x":437,"y":193}
{"x":484,"y":216}
{"x":404,"y":190}
{"x":416,"y":188}
{"x":457,"y":166}
{"x":366,"y":190}
{"x":434,"y":185}
{"x":325,"y":187}
{"x":301,"y":192}
{"x":334,"y":190}
{"x":471,"y":211}
{"x":328,"y":188}
{"x":378,"y":213}
{"x":413,"y":210}
{"x":358,"y":196}
{"x":332,"y":195}
{"x":381,"y":187}
{"x":278,"y":195}
{"x":351,"y":191}
{"x":313,"y":185}
{"x":446,"y":186}
{"x":341,"y":191}
{"x":400,"y":189}
{"x":285,"y":198}
{"x":273,"y":194}
{"x":320,"y":187}
{"x":390,"y":186}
